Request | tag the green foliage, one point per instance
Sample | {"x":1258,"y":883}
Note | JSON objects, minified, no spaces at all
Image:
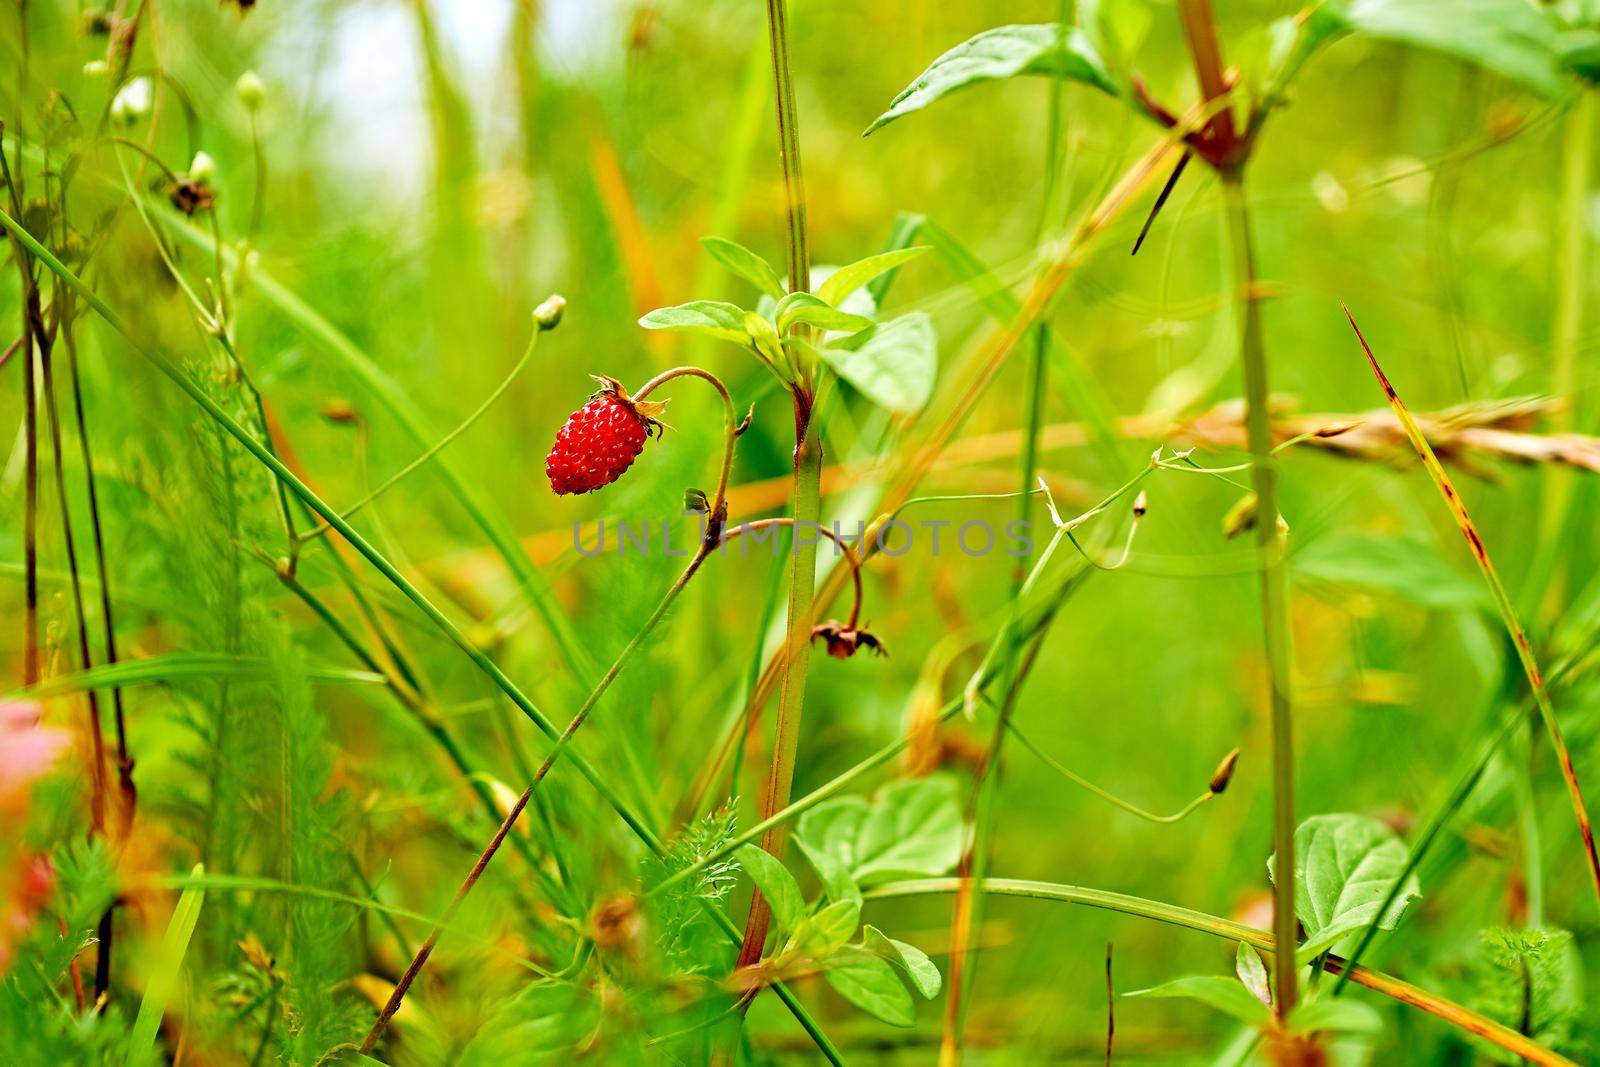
{"x":1514,"y":39}
{"x":164,"y":976}
{"x":1395,"y":565}
{"x":1225,"y":994}
{"x":1345,"y":866}
{"x":682,"y":929}
{"x":911,"y":828}
{"x":867,"y":981}
{"x":540,"y":1024}
{"x":893,"y":364}
{"x":746,"y":264}
{"x":1005,"y":52}
{"x":368,"y":263}
{"x":1532,"y":981}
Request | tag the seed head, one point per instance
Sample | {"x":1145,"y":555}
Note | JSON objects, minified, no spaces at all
{"x":845,"y":641}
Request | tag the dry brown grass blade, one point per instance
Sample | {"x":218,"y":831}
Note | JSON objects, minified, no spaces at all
{"x":1508,"y":614}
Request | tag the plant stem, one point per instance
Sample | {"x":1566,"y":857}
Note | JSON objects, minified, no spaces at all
{"x":383,"y":566}
{"x":1273,"y":582}
{"x":806,"y":510}
{"x":107,"y":619}
{"x":708,"y":543}
{"x":1547,"y":577}
{"x":794,"y":186}
{"x":806,"y":499}
{"x":489,"y":850}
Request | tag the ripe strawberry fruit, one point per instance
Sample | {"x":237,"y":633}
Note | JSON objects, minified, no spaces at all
{"x":600,"y":440}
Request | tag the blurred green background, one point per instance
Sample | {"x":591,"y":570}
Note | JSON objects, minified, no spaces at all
{"x":434,"y":170}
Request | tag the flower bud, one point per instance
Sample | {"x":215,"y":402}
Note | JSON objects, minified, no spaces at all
{"x":96,"y":68}
{"x":1224,"y":772}
{"x":203,"y":168}
{"x":548,"y":314}
{"x":132,"y":102}
{"x":251,"y":91}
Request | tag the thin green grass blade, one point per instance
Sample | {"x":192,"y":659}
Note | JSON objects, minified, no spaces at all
{"x":1508,"y":614}
{"x":164,"y":977}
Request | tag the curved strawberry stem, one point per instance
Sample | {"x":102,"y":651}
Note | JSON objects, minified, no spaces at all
{"x":719,"y":500}
{"x":713,"y":537}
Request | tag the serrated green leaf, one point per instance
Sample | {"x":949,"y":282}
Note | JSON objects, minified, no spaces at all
{"x":714,"y":318}
{"x":1335,"y":1014}
{"x":847,"y":279}
{"x":894,"y":364}
{"x":746,"y":264}
{"x":1003,"y":52}
{"x":911,"y":959}
{"x":812,"y":310}
{"x":870,"y":983}
{"x":1224,"y":994}
{"x":1395,"y":565}
{"x":775,"y":883}
{"x":1344,"y":867}
{"x":912,"y":829}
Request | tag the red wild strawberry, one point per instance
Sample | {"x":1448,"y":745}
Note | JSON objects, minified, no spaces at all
{"x":600,"y":440}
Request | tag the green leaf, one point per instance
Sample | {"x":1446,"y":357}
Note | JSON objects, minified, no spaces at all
{"x":163,"y":980}
{"x":1224,"y":994}
{"x":1116,"y":28}
{"x":909,"y":958}
{"x":1253,"y":973}
{"x":912,"y":829}
{"x":1512,"y":38}
{"x":847,"y":279}
{"x":1530,"y":980}
{"x":715,"y":318}
{"x":1337,"y":1014}
{"x":746,"y":264}
{"x":775,"y":883}
{"x":835,"y":876}
{"x":868,"y":982}
{"x":828,"y":929}
{"x":1397,"y":565}
{"x":1004,"y":52}
{"x":531,"y":1025}
{"x":1579,"y":51}
{"x":1344,"y":866}
{"x":814,"y":311}
{"x":894,"y":364}
{"x":763,"y":336}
